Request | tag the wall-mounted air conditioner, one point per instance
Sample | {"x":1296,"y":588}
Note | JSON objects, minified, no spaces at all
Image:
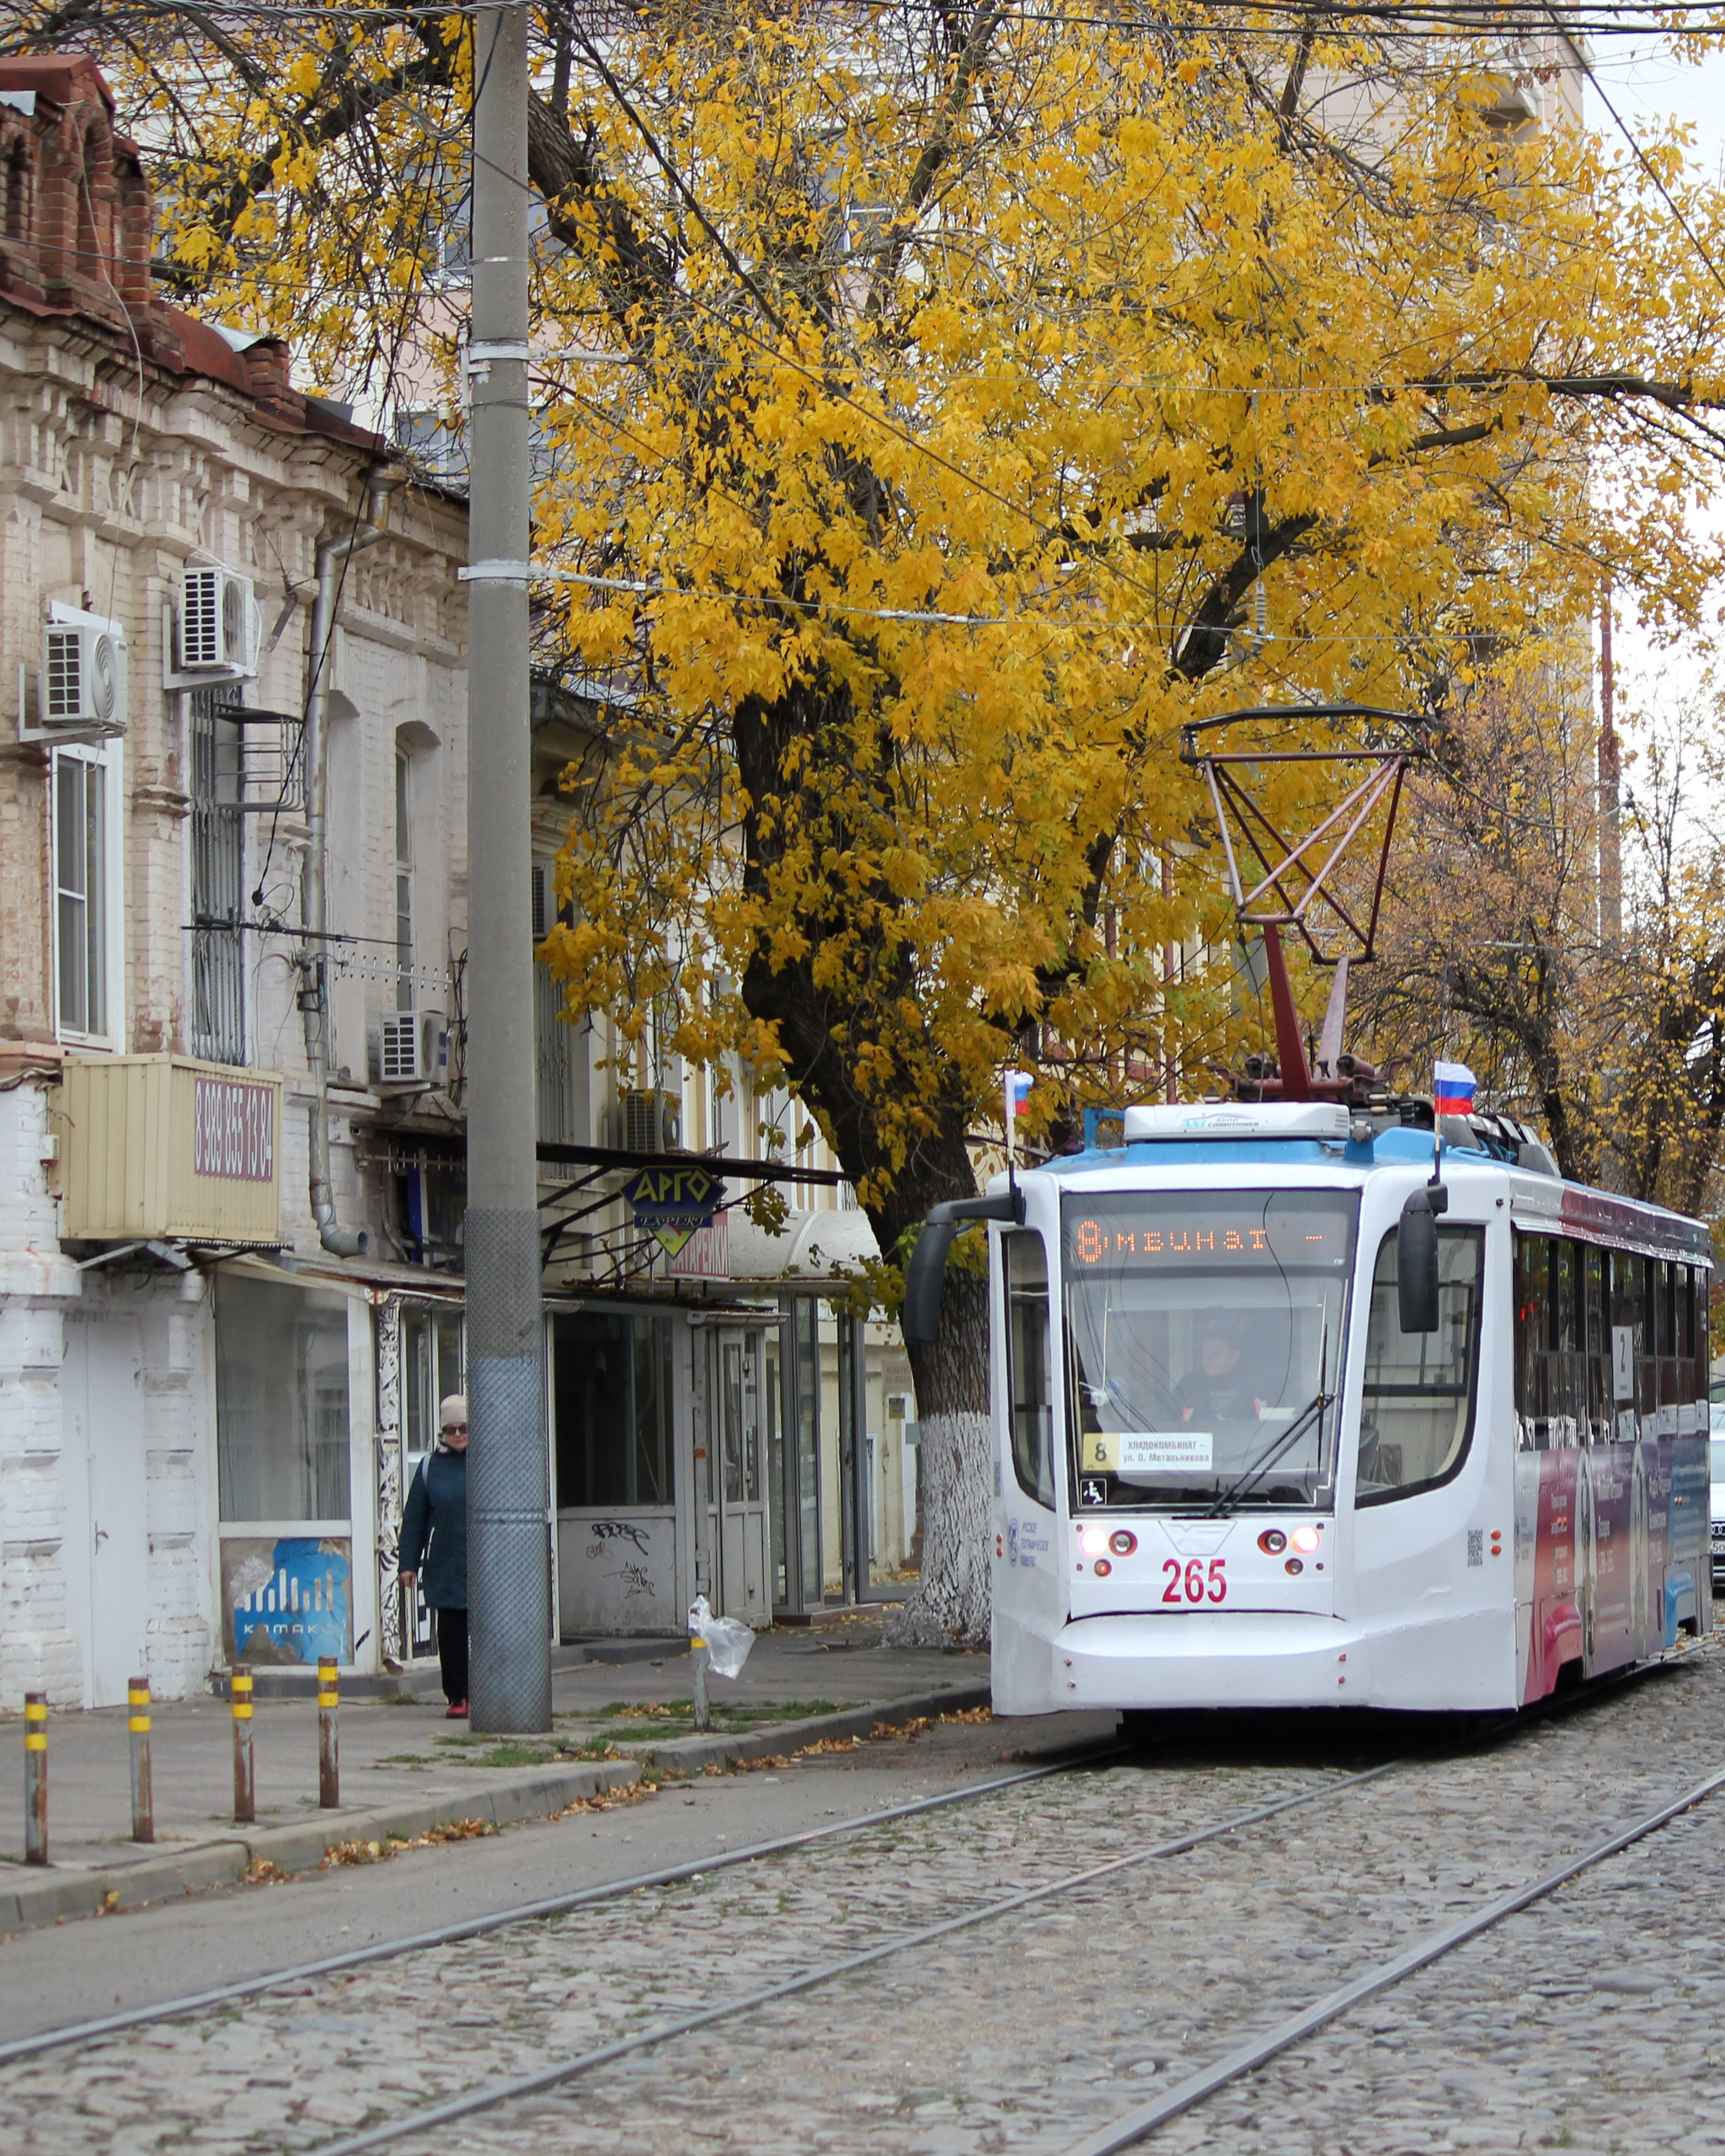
{"x":648,"y":1120}
{"x":409,"y":1050}
{"x":81,"y":688}
{"x":221,"y":626}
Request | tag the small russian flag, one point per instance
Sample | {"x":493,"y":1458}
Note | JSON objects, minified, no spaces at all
{"x":1453,"y":1091}
{"x":1018,"y":1085}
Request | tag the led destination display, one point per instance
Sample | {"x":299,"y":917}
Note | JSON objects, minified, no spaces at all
{"x":1148,"y":1233}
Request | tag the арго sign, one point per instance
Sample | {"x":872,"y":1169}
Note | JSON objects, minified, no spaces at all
{"x":672,"y":1202}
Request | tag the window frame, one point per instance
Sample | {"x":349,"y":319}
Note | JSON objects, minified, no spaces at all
{"x":1371,"y":1501}
{"x":106,"y":757}
{"x":1042,"y":1493}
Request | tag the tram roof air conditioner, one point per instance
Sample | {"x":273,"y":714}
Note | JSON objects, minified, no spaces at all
{"x":221,"y":626}
{"x":409,"y":1050}
{"x":81,"y":689}
{"x":650,"y":1120}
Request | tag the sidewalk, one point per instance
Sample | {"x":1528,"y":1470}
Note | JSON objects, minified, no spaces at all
{"x":405,"y":1769}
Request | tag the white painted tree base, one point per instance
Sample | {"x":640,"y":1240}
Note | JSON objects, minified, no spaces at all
{"x":949,"y":1606}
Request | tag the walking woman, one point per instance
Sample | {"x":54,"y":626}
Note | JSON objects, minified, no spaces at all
{"x":434,"y":1535}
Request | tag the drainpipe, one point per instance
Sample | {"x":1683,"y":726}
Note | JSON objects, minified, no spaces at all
{"x":332,"y":556}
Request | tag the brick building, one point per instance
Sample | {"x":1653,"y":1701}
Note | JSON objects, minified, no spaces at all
{"x":164,"y":494}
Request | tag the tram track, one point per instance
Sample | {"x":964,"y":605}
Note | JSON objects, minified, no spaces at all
{"x":490,"y":2097}
{"x":73,"y":2033}
{"x":572,"y":2066}
{"x":1133,"y":2129}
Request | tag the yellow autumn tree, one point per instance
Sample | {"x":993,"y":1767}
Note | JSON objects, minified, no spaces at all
{"x":961,"y":399}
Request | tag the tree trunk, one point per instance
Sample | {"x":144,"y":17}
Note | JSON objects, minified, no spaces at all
{"x":949,"y":1606}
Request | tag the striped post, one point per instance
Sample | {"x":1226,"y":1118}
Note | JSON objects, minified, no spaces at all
{"x":143,"y":1799}
{"x":35,"y":1777}
{"x":245,"y":1787}
{"x":697,"y":1682}
{"x":328,"y":1752}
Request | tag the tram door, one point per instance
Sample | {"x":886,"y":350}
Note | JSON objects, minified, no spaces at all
{"x":742,"y":1508}
{"x":1414,"y":1506}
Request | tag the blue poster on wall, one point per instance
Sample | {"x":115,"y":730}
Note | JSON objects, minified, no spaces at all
{"x":288,"y":1599}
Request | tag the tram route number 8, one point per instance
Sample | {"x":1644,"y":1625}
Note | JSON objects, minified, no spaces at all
{"x":1193,"y":1581}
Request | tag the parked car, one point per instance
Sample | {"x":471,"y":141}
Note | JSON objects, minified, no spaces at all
{"x":1716,"y":1449}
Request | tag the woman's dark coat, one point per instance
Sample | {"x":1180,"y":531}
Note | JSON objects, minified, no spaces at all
{"x":436,"y":1514}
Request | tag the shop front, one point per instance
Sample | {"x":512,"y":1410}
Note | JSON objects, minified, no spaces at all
{"x":293,"y":1431}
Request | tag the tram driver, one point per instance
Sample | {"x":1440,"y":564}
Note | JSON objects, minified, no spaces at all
{"x":1217,"y":1390}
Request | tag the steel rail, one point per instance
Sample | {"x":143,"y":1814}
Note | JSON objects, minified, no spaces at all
{"x":1136,"y":2126}
{"x":353,"y":1957}
{"x":488,"y":2095}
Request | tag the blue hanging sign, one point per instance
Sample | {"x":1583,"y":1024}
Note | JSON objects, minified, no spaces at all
{"x":672,"y":1202}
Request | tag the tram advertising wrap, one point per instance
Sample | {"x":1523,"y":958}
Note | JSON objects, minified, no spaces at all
{"x":1241,"y":1460}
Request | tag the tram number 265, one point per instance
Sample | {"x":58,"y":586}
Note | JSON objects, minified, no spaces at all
{"x":1194,"y":1581}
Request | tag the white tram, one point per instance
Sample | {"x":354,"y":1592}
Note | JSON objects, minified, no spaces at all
{"x":1282,"y":1419}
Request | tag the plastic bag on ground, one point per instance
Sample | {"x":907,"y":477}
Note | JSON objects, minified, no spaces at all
{"x":727,"y":1642}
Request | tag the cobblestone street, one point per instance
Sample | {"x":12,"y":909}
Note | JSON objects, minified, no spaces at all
{"x":1586,"y":2022}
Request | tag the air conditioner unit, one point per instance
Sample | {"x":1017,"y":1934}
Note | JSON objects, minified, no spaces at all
{"x":650,"y":1120}
{"x":409,"y":1050}
{"x":81,"y":689}
{"x":220,"y":625}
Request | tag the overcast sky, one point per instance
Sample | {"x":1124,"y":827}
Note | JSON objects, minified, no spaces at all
{"x":1649,"y":88}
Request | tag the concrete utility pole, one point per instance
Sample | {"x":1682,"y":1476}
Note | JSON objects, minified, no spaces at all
{"x":508,"y":1581}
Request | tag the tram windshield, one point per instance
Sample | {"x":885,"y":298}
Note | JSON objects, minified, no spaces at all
{"x":1207,"y":1331}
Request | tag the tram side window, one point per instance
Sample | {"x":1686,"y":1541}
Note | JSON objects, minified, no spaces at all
{"x":1417,"y":1403}
{"x":1598,"y":1345}
{"x":1627,"y":1275}
{"x":1562,"y":1344}
{"x":1029,"y":1390}
{"x":1533,"y":1366}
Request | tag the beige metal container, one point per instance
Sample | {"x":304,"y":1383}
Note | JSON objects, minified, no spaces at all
{"x":170,"y":1146}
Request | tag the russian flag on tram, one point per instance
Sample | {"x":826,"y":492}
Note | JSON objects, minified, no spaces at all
{"x":1018,"y":1085}
{"x":1453,"y":1093}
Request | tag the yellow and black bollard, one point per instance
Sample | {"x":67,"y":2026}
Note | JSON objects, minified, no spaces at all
{"x":35,"y":1777}
{"x":143,"y":1799}
{"x":329,"y":1754}
{"x":245,"y":1787}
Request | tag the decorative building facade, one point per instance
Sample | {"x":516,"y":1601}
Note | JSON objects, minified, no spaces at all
{"x":232,"y":950}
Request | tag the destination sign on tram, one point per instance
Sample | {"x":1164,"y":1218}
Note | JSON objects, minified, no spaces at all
{"x":1161,"y":1232}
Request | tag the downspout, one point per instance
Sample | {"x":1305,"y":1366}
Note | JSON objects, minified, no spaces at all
{"x":332,"y":557}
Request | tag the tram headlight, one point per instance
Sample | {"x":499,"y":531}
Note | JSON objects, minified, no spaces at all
{"x":1102,"y":1568}
{"x":1093,"y":1541}
{"x":1273,"y":1542}
{"x":1294,"y":1566}
{"x":1306,"y":1540}
{"x":1123,"y":1542}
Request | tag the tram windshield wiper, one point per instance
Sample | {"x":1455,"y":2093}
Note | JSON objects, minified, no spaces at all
{"x":1270,"y":1455}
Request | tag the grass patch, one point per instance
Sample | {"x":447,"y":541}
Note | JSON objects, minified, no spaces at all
{"x":513,"y":1752}
{"x":761,"y":1711}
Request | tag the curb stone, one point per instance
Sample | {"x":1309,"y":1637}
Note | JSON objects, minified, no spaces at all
{"x":691,"y":1753}
{"x":54,"y":1896}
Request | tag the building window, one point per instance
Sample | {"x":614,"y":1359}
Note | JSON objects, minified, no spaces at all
{"x":80,"y":869}
{"x":281,"y":1401}
{"x":218,"y":875}
{"x":611,"y":1390}
{"x":562,"y":1049}
{"x":404,"y":883}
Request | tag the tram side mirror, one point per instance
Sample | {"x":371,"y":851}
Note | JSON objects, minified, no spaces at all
{"x":925,"y":1278}
{"x":1416,"y":1258}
